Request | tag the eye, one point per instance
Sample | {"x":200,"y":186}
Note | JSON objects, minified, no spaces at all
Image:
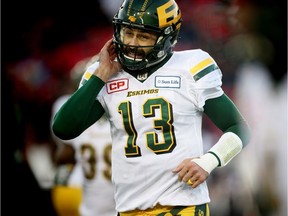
{"x":144,"y":37}
{"x":128,"y":32}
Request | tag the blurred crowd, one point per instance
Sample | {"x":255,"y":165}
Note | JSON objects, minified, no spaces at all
{"x":248,"y":40}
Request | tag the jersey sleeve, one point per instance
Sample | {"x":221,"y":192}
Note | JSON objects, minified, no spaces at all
{"x":80,"y":111}
{"x":206,"y":79}
{"x":88,"y":73}
{"x":86,"y":76}
{"x":55,"y":107}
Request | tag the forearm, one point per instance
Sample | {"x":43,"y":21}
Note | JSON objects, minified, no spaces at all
{"x":236,"y":133}
{"x":225,"y":115}
{"x":80,"y":111}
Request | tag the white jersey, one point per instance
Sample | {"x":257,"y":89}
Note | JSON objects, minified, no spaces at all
{"x":155,"y":125}
{"x":93,"y":155}
{"x":93,"y":149}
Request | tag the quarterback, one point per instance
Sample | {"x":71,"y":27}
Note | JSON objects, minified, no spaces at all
{"x":154,"y":99}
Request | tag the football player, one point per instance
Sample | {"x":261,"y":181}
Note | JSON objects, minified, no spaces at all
{"x":155,"y":98}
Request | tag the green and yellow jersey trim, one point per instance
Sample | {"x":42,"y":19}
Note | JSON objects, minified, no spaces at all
{"x":85,"y":78}
{"x":204,"y":67}
{"x":87,"y":75}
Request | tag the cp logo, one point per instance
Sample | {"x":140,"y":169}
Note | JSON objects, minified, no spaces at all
{"x":117,"y":85}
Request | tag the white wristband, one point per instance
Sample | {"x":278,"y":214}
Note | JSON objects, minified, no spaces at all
{"x":228,"y":146}
{"x":208,"y":162}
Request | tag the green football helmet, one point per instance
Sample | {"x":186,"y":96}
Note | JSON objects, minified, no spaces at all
{"x":162,"y":17}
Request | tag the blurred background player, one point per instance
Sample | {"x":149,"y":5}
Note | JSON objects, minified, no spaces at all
{"x":67,"y":189}
{"x":83,"y":175}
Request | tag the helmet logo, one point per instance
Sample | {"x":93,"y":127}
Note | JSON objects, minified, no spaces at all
{"x":132,"y":18}
{"x":168,"y":14}
{"x":140,"y":14}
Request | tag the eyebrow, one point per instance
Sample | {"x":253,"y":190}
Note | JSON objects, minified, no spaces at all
{"x":141,"y":30}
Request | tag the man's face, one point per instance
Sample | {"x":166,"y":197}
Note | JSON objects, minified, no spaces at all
{"x":136,"y":38}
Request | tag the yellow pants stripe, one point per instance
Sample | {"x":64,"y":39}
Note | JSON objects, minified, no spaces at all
{"x":158,"y":210}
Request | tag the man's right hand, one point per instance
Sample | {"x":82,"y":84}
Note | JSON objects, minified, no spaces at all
{"x":107,"y":64}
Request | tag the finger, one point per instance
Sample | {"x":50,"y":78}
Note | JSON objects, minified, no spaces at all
{"x":107,"y":45}
{"x":197,"y":179}
{"x":195,"y":183}
{"x":190,"y":182}
{"x":178,"y":168}
{"x":184,"y":174}
{"x":109,"y":42}
{"x":113,"y":54}
{"x":111,"y":47}
{"x":188,"y":175}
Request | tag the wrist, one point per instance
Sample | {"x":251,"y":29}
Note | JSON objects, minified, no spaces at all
{"x":228,"y":146}
{"x":102,"y":74}
{"x":208,"y":162}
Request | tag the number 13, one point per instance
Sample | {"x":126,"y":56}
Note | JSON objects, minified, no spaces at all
{"x":164,"y":124}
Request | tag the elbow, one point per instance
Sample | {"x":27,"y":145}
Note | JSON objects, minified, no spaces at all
{"x":58,"y":132}
{"x":62,"y":132}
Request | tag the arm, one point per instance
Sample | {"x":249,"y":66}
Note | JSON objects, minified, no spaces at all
{"x":80,"y":111}
{"x":65,"y":154}
{"x":236,"y":134}
{"x":225,"y":115}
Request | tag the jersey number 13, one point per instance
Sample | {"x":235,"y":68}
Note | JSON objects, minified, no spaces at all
{"x":163,"y":124}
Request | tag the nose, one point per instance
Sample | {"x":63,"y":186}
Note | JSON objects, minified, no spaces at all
{"x":134,"y":41}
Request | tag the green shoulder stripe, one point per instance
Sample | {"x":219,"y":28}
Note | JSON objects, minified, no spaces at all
{"x":205,"y":71}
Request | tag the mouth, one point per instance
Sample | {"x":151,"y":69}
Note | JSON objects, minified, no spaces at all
{"x":133,"y":57}
{"x":134,"y":54}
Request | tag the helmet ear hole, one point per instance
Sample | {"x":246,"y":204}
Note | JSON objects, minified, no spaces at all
{"x":168,"y":30}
